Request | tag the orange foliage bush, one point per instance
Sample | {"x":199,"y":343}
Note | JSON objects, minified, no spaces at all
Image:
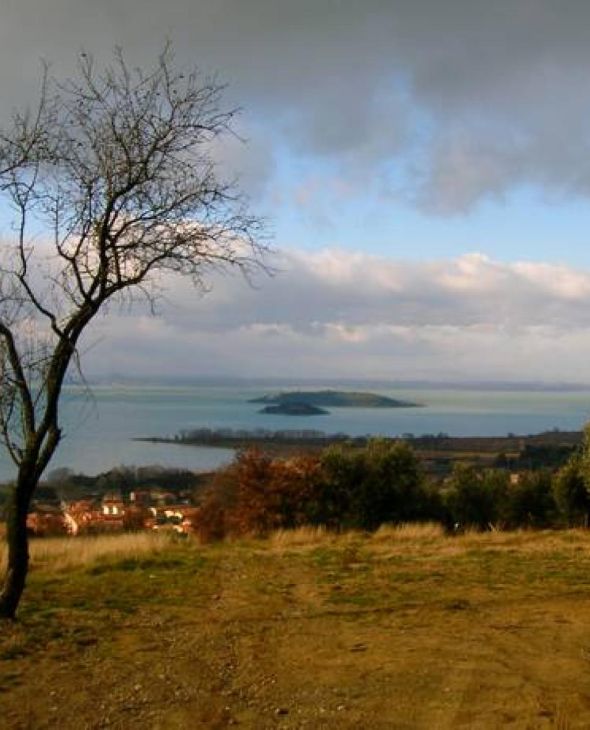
{"x":256,"y":495}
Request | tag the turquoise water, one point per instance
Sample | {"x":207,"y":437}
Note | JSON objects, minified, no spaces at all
{"x":99,"y":428}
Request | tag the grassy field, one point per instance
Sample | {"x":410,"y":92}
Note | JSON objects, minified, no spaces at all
{"x":403,"y":629}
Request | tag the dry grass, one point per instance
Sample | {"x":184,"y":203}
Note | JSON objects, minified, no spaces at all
{"x":529,"y":541}
{"x":301,"y":537}
{"x":409,"y":532}
{"x":57,"y":554}
{"x":430,"y":538}
{"x":313,"y":536}
{"x":69,"y":552}
{"x":480,"y":630}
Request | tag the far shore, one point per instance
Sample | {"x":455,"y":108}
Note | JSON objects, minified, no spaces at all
{"x":438,"y":442}
{"x":438,"y":452}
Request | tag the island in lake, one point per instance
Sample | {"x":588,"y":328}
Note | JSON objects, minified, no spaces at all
{"x":331,"y":398}
{"x":294,"y":409}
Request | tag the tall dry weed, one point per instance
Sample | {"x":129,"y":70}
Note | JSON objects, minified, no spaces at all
{"x":300,"y":536}
{"x":409,"y":532}
{"x":69,"y":552}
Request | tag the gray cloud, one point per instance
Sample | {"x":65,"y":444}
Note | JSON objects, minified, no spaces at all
{"x":467,"y":99}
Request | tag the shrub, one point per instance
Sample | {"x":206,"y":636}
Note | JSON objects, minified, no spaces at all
{"x":343,"y":488}
{"x":529,"y":502}
{"x":474,"y":499}
{"x":352,"y":487}
{"x":570,"y":493}
{"x":390,"y":488}
{"x":210,"y":522}
{"x":257,"y":495}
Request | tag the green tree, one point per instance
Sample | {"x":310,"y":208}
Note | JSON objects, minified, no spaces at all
{"x":475,"y":499}
{"x":530,"y":501}
{"x":571,"y":493}
{"x":393,"y":486}
{"x":382,"y":482}
{"x":342,"y":471}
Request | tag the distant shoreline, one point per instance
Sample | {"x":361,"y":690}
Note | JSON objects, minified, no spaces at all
{"x":427,"y":444}
{"x":438,"y":453}
{"x":116,"y":380}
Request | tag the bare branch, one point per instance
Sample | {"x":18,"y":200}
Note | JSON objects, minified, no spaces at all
{"x":112,"y":181}
{"x":116,"y":165}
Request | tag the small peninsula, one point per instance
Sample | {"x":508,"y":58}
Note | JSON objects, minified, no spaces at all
{"x":294,"y":409}
{"x":332,"y":399}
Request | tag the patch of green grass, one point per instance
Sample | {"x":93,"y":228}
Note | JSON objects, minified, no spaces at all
{"x":71,"y":609}
{"x":130,"y":564}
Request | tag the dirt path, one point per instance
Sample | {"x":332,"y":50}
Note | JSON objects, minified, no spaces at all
{"x":321,"y":638}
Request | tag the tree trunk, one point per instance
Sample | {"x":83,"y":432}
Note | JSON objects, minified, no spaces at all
{"x":18,"y":548}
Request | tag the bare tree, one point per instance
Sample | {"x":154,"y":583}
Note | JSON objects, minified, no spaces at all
{"x":111,"y":182}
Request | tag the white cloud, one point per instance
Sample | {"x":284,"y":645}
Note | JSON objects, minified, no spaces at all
{"x":350,"y":314}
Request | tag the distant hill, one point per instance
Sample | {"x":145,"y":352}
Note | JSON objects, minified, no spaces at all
{"x":294,"y":409}
{"x":333,"y":399}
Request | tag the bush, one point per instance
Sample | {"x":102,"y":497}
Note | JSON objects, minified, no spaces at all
{"x":210,"y":522}
{"x":530,"y":501}
{"x":342,"y":488}
{"x":352,"y":487}
{"x":570,"y":493}
{"x":257,"y":494}
{"x":381,"y":483}
{"x":474,"y":499}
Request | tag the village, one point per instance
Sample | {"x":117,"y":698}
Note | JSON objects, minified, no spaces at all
{"x":142,"y":509}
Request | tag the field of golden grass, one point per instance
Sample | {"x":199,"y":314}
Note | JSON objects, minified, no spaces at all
{"x":62,"y":553}
{"x":405,"y":628}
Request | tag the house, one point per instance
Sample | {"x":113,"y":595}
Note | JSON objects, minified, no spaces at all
{"x":96,"y":515}
{"x":45,"y":520}
{"x":178,"y":518}
{"x":141,"y":497}
{"x":113,"y":505}
{"x":147,"y":509}
{"x":82,"y":515}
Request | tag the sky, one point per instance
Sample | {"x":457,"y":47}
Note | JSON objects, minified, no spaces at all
{"x":424,"y":167}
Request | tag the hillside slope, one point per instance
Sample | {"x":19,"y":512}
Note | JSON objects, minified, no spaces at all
{"x":407,"y":629}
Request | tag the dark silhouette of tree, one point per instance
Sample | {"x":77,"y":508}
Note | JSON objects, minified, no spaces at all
{"x":530,"y":502}
{"x":364,"y":488}
{"x":112,"y":183}
{"x":570,"y":490}
{"x":476,"y":499}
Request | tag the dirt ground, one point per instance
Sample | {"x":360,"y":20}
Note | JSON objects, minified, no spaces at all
{"x":385,"y":632}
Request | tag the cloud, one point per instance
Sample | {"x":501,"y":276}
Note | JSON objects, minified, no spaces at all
{"x":450,"y":102}
{"x":349,"y":314}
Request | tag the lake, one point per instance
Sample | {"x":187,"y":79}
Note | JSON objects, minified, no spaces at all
{"x":99,"y":427}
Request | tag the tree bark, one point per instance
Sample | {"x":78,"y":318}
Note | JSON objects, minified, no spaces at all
{"x":18,"y":547}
